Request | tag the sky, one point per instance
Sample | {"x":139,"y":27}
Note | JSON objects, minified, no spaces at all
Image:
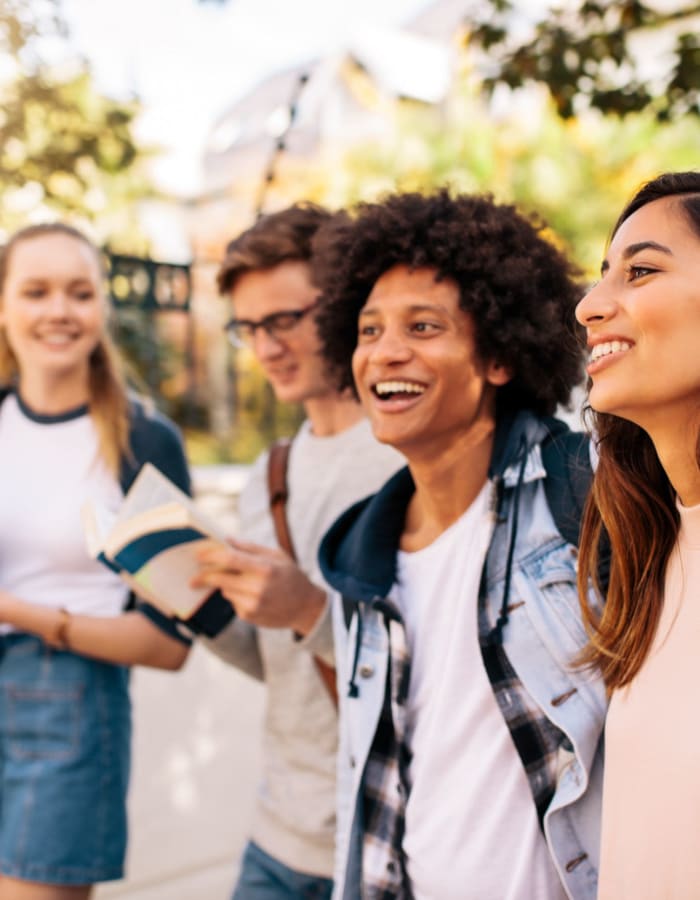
{"x":188,"y":61}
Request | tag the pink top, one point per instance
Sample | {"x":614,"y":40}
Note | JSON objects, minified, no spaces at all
{"x":651,"y":797}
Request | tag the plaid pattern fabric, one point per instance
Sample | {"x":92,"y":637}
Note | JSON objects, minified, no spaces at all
{"x":384,"y":798}
{"x":536,"y":739}
{"x":385,"y":786}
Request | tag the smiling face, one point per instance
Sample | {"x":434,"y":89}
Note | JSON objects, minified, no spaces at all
{"x":416,"y":368}
{"x":643,"y":319}
{"x":53,"y":310}
{"x":291,"y":360}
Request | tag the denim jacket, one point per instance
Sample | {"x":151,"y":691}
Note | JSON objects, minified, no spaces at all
{"x":528,"y":596}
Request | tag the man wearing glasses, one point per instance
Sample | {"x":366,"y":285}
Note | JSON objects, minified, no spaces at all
{"x":282,"y":626}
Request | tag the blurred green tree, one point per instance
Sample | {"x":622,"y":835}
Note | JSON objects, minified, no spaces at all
{"x":575,"y":172}
{"x":63,"y":145}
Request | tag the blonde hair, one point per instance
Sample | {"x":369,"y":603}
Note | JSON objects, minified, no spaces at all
{"x":108,"y":401}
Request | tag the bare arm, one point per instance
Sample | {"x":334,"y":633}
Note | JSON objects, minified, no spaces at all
{"x":128,"y":639}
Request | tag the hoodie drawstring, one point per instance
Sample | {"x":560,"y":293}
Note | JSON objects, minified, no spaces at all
{"x":353,"y":690}
{"x":496,"y":634}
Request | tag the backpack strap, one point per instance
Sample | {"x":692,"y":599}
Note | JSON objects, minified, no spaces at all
{"x":567,"y":461}
{"x":277,"y":463}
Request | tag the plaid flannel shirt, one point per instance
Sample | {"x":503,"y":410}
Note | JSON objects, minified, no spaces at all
{"x":385,"y":784}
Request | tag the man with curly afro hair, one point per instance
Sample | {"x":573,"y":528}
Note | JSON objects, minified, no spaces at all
{"x":470,"y":759}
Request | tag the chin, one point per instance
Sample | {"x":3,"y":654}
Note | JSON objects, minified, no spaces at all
{"x":289,"y":393}
{"x":390,"y":436}
{"x":602,"y":403}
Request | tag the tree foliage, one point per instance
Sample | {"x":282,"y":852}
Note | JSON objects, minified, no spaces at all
{"x":576,"y":173}
{"x":62,"y":144}
{"x":603,"y":55}
{"x":22,"y":22}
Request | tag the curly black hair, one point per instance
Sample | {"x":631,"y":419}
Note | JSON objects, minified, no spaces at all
{"x":519,"y":289}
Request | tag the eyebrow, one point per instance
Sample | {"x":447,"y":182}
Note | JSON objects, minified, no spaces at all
{"x":630,"y":251}
{"x":414,"y":308}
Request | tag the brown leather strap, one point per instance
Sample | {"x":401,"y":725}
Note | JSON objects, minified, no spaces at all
{"x":277,"y":488}
{"x":277,"y":463}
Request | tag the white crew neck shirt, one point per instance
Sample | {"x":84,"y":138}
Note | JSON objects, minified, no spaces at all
{"x":50,"y":466}
{"x":471,"y":823}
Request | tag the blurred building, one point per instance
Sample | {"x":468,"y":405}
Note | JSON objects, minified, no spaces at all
{"x":285,"y":140}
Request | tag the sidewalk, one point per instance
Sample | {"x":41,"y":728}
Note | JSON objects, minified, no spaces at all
{"x":195,"y":760}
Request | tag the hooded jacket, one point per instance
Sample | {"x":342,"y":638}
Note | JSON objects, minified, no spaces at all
{"x":528,"y":609}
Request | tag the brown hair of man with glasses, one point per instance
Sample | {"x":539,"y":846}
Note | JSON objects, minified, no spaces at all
{"x":282,"y":625}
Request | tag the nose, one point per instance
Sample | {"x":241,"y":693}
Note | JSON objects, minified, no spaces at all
{"x":390,"y":347}
{"x":597,"y":306}
{"x":58,"y":305}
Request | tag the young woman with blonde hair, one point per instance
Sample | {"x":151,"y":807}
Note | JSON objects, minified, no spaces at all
{"x":643,"y":329}
{"x":68,"y":431}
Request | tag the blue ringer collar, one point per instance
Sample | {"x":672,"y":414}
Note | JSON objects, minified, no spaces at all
{"x":55,"y":419}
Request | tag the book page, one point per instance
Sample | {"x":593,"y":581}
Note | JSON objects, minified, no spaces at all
{"x":97,"y":523}
{"x":160,"y":518}
{"x":164,"y":580}
{"x":150,"y":488}
{"x":154,"y":503}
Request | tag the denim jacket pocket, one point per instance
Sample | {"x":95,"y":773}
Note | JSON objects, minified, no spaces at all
{"x":556,"y":594}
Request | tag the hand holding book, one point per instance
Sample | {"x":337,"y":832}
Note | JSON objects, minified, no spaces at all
{"x":264,"y":585}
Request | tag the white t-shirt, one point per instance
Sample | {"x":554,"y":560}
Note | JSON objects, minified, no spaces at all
{"x":471,"y":823}
{"x":48,"y":469}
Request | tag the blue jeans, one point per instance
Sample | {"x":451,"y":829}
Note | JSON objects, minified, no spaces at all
{"x":264,"y":878}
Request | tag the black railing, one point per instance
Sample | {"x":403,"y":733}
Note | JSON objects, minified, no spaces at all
{"x":140,"y":289}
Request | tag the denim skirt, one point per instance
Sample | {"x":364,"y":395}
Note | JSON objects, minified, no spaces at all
{"x":65,"y":733}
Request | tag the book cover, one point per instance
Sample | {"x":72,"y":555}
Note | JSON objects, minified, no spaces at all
{"x":151,"y":541}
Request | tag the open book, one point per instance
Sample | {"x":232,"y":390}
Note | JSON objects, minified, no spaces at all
{"x":151,"y":541}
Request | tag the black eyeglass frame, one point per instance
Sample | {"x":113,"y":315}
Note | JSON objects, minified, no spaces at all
{"x":273,"y":325}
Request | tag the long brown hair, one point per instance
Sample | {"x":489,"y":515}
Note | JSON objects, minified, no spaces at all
{"x":633,"y":500}
{"x":108,"y":401}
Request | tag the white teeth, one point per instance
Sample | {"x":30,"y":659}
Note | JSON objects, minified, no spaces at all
{"x":57,"y":339}
{"x":398,"y":387}
{"x":608,"y":347}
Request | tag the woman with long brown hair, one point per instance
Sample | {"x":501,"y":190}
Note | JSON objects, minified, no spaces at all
{"x":69,"y":431}
{"x":643,"y":330}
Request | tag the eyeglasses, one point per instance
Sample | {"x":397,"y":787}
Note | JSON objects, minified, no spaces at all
{"x":241,"y":332}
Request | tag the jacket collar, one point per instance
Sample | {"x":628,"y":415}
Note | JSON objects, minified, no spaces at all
{"x":358,"y":554}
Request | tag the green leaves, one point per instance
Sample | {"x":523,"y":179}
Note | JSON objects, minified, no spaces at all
{"x":597,"y":55}
{"x":63,"y":145}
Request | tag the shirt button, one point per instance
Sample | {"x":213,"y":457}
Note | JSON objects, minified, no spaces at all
{"x":366,"y":670}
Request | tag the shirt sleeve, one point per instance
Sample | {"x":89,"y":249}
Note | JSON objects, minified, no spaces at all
{"x":319,"y":641}
{"x":167,"y":624}
{"x":154,"y":438}
{"x":237,"y":645}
